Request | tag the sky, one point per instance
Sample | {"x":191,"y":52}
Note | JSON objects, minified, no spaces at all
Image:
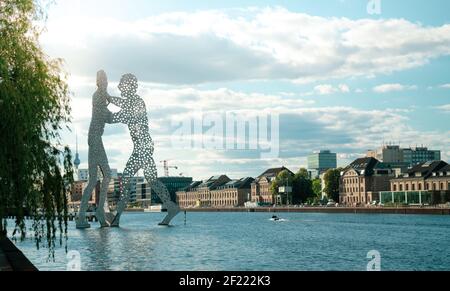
{"x":328,"y":74}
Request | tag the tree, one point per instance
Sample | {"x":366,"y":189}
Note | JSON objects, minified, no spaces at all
{"x":317,"y":187}
{"x":302,"y":186}
{"x":35,"y":168}
{"x":282,"y":179}
{"x":331,"y":179}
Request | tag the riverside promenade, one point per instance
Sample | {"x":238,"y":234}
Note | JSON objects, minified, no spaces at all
{"x":356,"y":210}
{"x":12,"y":259}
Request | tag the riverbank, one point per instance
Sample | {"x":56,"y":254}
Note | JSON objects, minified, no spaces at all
{"x":12,"y":259}
{"x":356,"y":210}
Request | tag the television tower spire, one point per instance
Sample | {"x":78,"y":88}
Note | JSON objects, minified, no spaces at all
{"x":76,"y":162}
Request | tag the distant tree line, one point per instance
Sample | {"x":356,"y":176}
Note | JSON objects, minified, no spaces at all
{"x":306,"y":189}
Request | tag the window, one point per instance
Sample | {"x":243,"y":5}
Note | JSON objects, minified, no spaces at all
{"x":395,"y":187}
{"x":401,"y":187}
{"x":406,"y":187}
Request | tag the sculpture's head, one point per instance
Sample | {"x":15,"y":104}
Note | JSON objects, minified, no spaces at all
{"x":102,"y":80}
{"x":128,"y":85}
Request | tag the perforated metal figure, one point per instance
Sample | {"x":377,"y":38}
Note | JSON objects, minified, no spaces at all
{"x":97,"y":156}
{"x":133,"y":113}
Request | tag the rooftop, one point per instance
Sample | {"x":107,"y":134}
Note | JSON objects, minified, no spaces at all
{"x":214,"y":182}
{"x":191,"y":186}
{"x":240,"y":184}
{"x":364,"y":166}
{"x":426,"y":169}
{"x":273,"y":172}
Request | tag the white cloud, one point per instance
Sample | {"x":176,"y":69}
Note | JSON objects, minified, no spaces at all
{"x":269,"y":43}
{"x":304,"y":127}
{"x":327,"y":89}
{"x":445,"y":108}
{"x":445,"y":86}
{"x":254,"y":44}
{"x":386,"y":88}
{"x":344,"y":88}
{"x":324,"y":89}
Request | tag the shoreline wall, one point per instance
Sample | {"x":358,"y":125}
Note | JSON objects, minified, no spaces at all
{"x":355,"y":210}
{"x":12,"y":259}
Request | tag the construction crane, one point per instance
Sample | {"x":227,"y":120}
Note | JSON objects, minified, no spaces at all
{"x":166,"y":167}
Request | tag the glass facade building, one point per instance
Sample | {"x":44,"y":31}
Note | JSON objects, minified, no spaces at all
{"x":321,"y":161}
{"x":418,"y":155}
{"x":415,"y":197}
{"x":173,"y":184}
{"x":404,"y":157}
{"x":409,"y":198}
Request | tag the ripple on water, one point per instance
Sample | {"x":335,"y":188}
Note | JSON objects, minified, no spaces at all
{"x":250,"y":241}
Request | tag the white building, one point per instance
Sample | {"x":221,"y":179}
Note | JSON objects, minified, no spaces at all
{"x":83,"y":174}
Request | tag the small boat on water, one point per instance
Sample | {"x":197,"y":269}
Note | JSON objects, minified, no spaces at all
{"x":276,"y":218}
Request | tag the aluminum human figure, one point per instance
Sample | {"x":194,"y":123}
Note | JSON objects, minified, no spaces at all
{"x":97,"y":156}
{"x":133,"y":113}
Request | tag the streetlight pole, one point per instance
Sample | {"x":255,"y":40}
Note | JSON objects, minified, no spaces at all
{"x":284,"y":189}
{"x":287,"y":192}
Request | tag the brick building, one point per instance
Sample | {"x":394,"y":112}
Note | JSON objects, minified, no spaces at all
{"x":198,"y":194}
{"x":232,"y":194}
{"x":76,"y":193}
{"x":361,"y":181}
{"x":425,"y":183}
{"x":260,"y":188}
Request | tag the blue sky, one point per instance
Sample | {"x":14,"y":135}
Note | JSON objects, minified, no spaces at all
{"x":338,"y":77}
{"x":428,"y":12}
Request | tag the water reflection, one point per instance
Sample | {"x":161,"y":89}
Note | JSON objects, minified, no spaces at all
{"x":250,"y":241}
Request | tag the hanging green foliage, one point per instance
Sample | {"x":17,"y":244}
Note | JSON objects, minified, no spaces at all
{"x":35,"y":168}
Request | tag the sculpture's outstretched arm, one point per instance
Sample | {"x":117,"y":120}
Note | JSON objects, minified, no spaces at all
{"x":116,"y":100}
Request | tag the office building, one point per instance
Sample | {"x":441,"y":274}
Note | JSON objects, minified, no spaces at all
{"x":83,"y":174}
{"x":404,"y":157}
{"x":320,"y":162}
{"x":114,"y":190}
{"x":134,"y":181}
{"x":146,"y":196}
{"x":387,"y":154}
{"x":417,"y":155}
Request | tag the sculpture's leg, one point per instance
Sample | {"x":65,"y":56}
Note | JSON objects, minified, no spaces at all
{"x":160,"y":189}
{"x":81,"y":221}
{"x":100,"y":212}
{"x":130,"y":170}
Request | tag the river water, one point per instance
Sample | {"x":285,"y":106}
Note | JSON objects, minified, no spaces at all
{"x":251,"y":241}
